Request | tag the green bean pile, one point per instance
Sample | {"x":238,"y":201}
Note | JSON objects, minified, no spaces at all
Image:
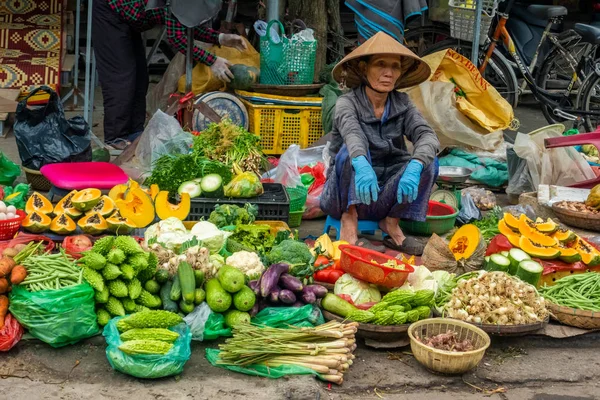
{"x":581,"y":291}
{"x":51,"y":272}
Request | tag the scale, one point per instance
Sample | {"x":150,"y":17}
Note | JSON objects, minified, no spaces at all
{"x":448,"y":181}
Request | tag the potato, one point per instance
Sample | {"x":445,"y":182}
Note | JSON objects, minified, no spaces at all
{"x":10,"y":252}
{"x":20,"y":247}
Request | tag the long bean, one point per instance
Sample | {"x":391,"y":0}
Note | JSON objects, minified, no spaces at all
{"x":581,"y":291}
{"x":51,"y":272}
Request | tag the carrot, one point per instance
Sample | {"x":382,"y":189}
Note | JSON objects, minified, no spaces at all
{"x":3,"y":285}
{"x":6,"y":265}
{"x":3,"y":309}
{"x":18,"y":275}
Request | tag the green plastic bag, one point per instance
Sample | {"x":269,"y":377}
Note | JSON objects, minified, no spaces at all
{"x":9,"y":171}
{"x":244,"y":185}
{"x":283,"y":317}
{"x":20,"y":199}
{"x":148,"y":366}
{"x":215,"y":327}
{"x":212,"y":355}
{"x":57,"y":317}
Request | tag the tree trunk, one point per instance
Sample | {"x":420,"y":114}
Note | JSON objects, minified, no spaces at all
{"x":337,"y":32}
{"x":314,"y":15}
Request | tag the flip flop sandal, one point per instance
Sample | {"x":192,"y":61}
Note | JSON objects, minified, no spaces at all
{"x":118,"y":144}
{"x":410,"y":245}
{"x":368,"y":245}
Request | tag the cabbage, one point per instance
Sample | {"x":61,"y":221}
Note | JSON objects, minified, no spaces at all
{"x":420,"y":279}
{"x":442,"y":277}
{"x":170,"y":233}
{"x":360,"y":292}
{"x":211,"y":237}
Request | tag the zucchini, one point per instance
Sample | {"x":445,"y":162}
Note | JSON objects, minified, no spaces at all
{"x":504,"y":253}
{"x":212,"y":185}
{"x":337,"y":305}
{"x":175,"y":293}
{"x":516,"y":256}
{"x":530,"y":271}
{"x":187,"y":281}
{"x":165,"y":293}
{"x":498,"y":262}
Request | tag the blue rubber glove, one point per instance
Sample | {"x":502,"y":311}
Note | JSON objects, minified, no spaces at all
{"x":408,"y":187}
{"x":365,"y":180}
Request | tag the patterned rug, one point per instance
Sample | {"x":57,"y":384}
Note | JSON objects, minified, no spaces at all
{"x":30,"y":43}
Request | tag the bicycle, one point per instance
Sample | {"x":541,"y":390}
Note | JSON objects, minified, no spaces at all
{"x":576,"y":100}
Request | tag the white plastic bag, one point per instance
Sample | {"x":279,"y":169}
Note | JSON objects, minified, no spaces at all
{"x":437,"y":103}
{"x":562,"y":166}
{"x":196,"y":320}
{"x":158,"y":97}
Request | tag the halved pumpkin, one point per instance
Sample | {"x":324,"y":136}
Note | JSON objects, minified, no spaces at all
{"x":86,"y":199}
{"x":165,"y":210}
{"x":137,"y":207}
{"x":119,"y":225}
{"x":589,"y":255}
{"x":65,"y":206}
{"x":36,"y":222}
{"x":527,"y":229}
{"x":465,"y":241}
{"x":565,"y":236}
{"x":511,"y":221}
{"x":569,"y":255}
{"x":536,"y":250}
{"x":106,"y":206}
{"x":154,"y":190}
{"x":547,"y":227}
{"x":118,"y":192}
{"x":93,"y":224}
{"x":38,"y":202}
{"x":62,"y":224}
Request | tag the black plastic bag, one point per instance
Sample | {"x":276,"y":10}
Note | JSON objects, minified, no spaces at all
{"x":468,"y":211}
{"x":45,"y":136}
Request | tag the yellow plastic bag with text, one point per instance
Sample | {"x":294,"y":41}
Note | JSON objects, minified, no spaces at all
{"x":476,"y":98}
{"x":204,"y":81}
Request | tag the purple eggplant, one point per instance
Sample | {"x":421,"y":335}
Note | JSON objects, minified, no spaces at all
{"x":298,"y":304}
{"x":254,"y":309}
{"x":274,"y":295}
{"x":255,"y":286}
{"x":318,"y":290}
{"x":262,"y":304}
{"x":290,"y":282}
{"x":270,"y":278}
{"x":287,"y":296}
{"x":309,"y":297}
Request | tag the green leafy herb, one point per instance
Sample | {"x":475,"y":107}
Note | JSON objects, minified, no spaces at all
{"x":489,"y":224}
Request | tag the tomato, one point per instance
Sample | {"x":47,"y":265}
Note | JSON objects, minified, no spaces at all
{"x":321,"y":261}
{"x":328,"y":275}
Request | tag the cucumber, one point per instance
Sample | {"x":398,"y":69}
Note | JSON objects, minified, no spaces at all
{"x":199,"y":276}
{"x":187,"y":282}
{"x":152,"y":286}
{"x":175,"y":293}
{"x":186,"y":307}
{"x":212,"y":185}
{"x":161,"y":275}
{"x":165,"y":293}
{"x":498,"y":262}
{"x":530,"y":271}
{"x":504,"y":253}
{"x":486,"y":263}
{"x":516,"y":256}
{"x":190,"y":187}
{"x":337,"y":305}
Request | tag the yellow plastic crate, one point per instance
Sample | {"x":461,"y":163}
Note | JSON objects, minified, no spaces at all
{"x":281,"y":126}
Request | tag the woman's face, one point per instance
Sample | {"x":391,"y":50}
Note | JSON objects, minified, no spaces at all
{"x":383,"y":72}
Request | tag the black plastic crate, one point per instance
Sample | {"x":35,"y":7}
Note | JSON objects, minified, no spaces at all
{"x":273,"y":204}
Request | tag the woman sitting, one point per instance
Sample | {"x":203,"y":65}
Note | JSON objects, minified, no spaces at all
{"x":373,"y":175}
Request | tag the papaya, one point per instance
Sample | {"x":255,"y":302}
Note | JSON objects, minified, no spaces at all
{"x":511,"y":221}
{"x":137,"y":207}
{"x":565,"y":236}
{"x":527,"y":228}
{"x":38,"y":202}
{"x":119,"y":225}
{"x":65,"y":206}
{"x":569,"y":255}
{"x":86,"y":199}
{"x":536,"y":250}
{"x":36,"y":222}
{"x":244,"y":76}
{"x":93,"y":224}
{"x":548,"y":227}
{"x":589,"y":255}
{"x":105,"y":207}
{"x":164,"y":209}
{"x":62,"y":224}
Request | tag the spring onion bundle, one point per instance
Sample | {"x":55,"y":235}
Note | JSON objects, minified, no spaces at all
{"x":326,"y":349}
{"x":581,"y":291}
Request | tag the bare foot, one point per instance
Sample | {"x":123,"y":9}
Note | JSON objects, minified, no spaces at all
{"x":349,"y":226}
{"x":390,"y":226}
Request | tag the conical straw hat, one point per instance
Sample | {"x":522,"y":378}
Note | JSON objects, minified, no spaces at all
{"x":414,"y":70}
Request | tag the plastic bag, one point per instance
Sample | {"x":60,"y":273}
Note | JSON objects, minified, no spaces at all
{"x":57,"y":317}
{"x":215,"y":327}
{"x":562,"y":166}
{"x":519,"y":178}
{"x":484,"y":199}
{"x":11,"y":333}
{"x":158,"y":97}
{"x":163,"y":135}
{"x":196,"y":320}
{"x":45,"y":136}
{"x":521,"y":209}
{"x":283,"y":317}
{"x":149,"y":366}
{"x":468,"y":210}
{"x":20,"y":199}
{"x":24,"y":238}
{"x":9,"y":171}
{"x":245,"y":185}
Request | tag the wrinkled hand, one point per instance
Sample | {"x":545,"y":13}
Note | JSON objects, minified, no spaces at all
{"x":230,"y":40}
{"x":220,"y":69}
{"x":365,"y":180}
{"x":408,"y":187}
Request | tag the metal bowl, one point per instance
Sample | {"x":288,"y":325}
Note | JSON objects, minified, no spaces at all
{"x":454,"y":174}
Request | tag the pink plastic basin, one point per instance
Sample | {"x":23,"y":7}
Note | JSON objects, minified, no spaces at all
{"x":84,"y":175}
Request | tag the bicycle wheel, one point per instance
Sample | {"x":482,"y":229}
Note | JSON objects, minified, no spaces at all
{"x":498,"y":73}
{"x":590,"y":101}
{"x":555,"y":75}
{"x":419,"y":39}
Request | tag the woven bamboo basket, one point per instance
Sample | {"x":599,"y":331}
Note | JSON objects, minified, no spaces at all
{"x":590,"y":222}
{"x":447,"y":362}
{"x":574,"y":317}
{"x":37,"y":180}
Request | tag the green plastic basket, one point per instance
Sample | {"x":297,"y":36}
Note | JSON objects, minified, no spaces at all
{"x":295,"y":218}
{"x":298,"y":197}
{"x":286,"y":62}
{"x":438,"y":224}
